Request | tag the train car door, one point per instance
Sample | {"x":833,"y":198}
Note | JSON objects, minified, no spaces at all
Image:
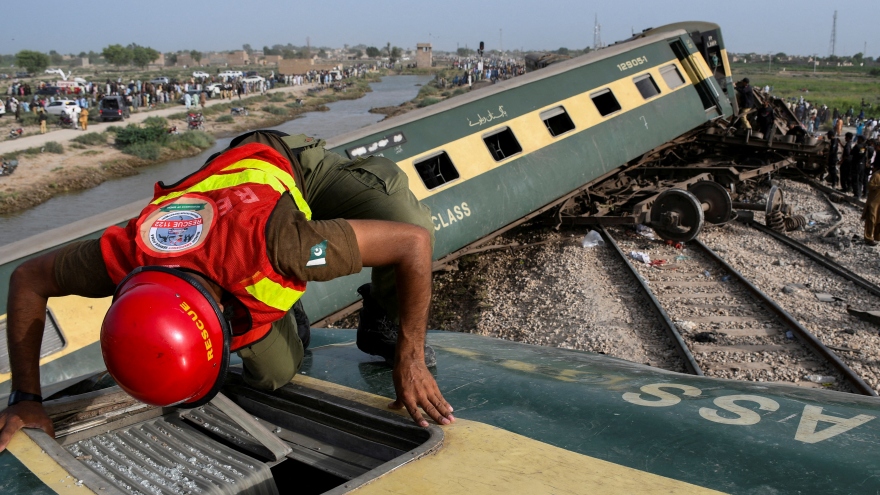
{"x":701,"y":80}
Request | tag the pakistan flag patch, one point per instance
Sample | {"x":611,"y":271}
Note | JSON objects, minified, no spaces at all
{"x":318,"y":254}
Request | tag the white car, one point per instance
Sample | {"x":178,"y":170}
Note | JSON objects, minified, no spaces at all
{"x":201,"y":74}
{"x":253,"y":79}
{"x":213,"y":89}
{"x":230,"y":74}
{"x":58,"y":106}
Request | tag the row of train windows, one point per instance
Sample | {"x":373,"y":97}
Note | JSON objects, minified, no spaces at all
{"x":438,"y":169}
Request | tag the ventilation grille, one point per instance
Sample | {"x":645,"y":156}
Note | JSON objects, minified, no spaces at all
{"x":53,"y":341}
{"x":168,"y":456}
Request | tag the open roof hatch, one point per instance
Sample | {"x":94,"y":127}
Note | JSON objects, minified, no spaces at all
{"x":117,"y":445}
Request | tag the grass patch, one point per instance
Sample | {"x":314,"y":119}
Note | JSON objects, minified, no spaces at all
{"x":277,"y":98}
{"x":91,"y":139}
{"x":57,"y":169}
{"x":191,"y":139}
{"x":225,"y":119}
{"x":53,"y":147}
{"x":145,"y":151}
{"x":428,"y":102}
{"x":156,"y":121}
{"x":274,"y":110}
{"x":91,"y":152}
{"x":113,"y":129}
{"x":77,"y":146}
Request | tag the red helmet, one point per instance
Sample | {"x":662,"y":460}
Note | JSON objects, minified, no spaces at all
{"x":164,"y":338}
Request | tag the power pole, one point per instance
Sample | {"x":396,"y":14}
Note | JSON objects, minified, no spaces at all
{"x":833,"y":35}
{"x":597,"y":34}
{"x":500,"y":44}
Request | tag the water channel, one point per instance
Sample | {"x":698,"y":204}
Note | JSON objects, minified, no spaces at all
{"x":344,"y":116}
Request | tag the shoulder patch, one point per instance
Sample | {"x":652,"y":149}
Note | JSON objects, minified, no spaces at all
{"x":178,"y":226}
{"x":318,"y":254}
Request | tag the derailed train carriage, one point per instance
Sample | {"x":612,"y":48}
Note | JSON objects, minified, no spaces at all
{"x":530,"y":418}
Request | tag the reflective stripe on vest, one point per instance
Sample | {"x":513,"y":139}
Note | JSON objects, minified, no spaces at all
{"x":255,"y":172}
{"x":274,"y":294}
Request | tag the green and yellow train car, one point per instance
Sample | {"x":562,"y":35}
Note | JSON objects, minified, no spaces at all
{"x":530,"y":419}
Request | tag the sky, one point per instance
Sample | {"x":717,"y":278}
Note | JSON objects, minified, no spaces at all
{"x":769,"y":26}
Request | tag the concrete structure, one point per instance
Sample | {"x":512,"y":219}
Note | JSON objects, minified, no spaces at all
{"x":424,"y":55}
{"x":238,"y":57}
{"x":294,"y":66}
{"x":271,"y":59}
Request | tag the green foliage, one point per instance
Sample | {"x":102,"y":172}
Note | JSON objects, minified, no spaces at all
{"x":197,"y":139}
{"x":464,"y":52}
{"x":372,"y":52}
{"x":30,"y":118}
{"x":53,"y":147}
{"x":145,"y":151}
{"x":55,"y":57}
{"x":117,"y":55}
{"x":113,"y":129}
{"x":196,"y":55}
{"x":135,"y":135}
{"x":562,"y":51}
{"x":91,"y":139}
{"x":32,"y":61}
{"x":277,"y":98}
{"x":274,"y":110}
{"x":142,"y":56}
{"x":156,"y":121}
{"x":225,"y":119}
{"x":428,"y":102}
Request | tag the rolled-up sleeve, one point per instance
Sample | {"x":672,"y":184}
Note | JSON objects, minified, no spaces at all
{"x":316,"y":251}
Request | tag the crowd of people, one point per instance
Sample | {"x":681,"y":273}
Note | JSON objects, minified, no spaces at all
{"x":475,"y":69}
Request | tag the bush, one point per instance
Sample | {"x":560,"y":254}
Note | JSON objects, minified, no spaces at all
{"x":53,"y":147}
{"x":427,"y":102}
{"x":274,"y":110}
{"x":113,"y":129}
{"x":156,"y":122}
{"x":91,"y":139}
{"x":146,"y":151}
{"x":30,"y":118}
{"x":197,"y":139}
{"x":277,"y":98}
{"x":134,"y":134}
{"x":225,"y":119}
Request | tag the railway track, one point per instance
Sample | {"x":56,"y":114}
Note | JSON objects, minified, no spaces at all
{"x":728,"y":326}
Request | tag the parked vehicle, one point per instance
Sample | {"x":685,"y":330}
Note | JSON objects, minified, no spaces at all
{"x":230,"y":74}
{"x":238,"y":111}
{"x":66,"y":121}
{"x":253,"y":79}
{"x":113,"y":108}
{"x":22,"y":75}
{"x":214,"y":89}
{"x":192,"y":93}
{"x":7,"y":167}
{"x":59,"y":107}
{"x":195,"y":122}
{"x":15,"y":133}
{"x":160,"y":80}
{"x":49,"y":91}
{"x":203,"y":75}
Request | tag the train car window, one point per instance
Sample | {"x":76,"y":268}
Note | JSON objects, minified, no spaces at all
{"x":672,"y":76}
{"x":647,"y":87}
{"x":436,"y":170}
{"x":502,"y":144}
{"x":557,"y":121}
{"x":605,"y":102}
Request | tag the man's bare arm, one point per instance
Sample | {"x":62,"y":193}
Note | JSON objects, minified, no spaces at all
{"x":30,"y":286}
{"x":407,"y":248}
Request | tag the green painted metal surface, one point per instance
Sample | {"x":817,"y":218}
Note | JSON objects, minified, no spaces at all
{"x":18,"y":479}
{"x":595,"y":405}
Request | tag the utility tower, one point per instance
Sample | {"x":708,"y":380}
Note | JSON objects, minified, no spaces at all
{"x":597,"y":34}
{"x":833,"y":35}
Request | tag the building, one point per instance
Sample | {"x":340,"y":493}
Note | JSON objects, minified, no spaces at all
{"x":424,"y":56}
{"x":271,"y":59}
{"x":238,"y":57}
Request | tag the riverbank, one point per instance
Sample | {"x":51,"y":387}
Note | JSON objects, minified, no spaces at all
{"x":62,"y":161}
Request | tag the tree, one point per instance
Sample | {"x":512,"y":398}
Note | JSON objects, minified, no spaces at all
{"x":196,"y":55}
{"x":858,"y":58}
{"x":247,"y":47}
{"x":395,"y":55}
{"x":32,"y":61}
{"x":117,"y":55}
{"x":464,"y":52}
{"x":372,"y":52}
{"x":780,"y":55}
{"x":55,"y":57}
{"x":358,"y":54}
{"x":388,"y":50}
{"x":562,"y":51}
{"x":171,"y":58}
{"x":142,"y":56}
{"x":288,"y":54}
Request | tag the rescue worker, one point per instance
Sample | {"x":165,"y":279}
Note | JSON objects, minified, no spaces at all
{"x":215,"y":264}
{"x":766,"y":118}
{"x":747,"y":99}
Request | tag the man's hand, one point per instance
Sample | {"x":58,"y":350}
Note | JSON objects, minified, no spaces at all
{"x":25,"y":414}
{"x":416,"y":388}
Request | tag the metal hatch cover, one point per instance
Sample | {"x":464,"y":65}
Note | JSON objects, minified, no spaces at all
{"x":53,"y":340}
{"x":168,"y":456}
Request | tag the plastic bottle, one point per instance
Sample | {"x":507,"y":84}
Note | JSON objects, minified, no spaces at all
{"x":592,"y":239}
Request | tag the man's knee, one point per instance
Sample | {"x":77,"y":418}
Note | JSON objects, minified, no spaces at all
{"x":272,"y":362}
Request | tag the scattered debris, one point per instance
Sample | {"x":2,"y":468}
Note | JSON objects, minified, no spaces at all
{"x":705,"y":337}
{"x":825,"y":297}
{"x":686,"y":326}
{"x":821,"y":379}
{"x":592,"y":239}
{"x":640,"y":256}
{"x":869,"y":316}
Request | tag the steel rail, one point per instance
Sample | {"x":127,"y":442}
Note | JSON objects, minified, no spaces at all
{"x":683,"y":350}
{"x":802,"y":333}
{"x":822,"y":260}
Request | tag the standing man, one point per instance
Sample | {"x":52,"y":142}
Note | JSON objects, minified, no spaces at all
{"x":235,"y":243}
{"x":859,"y":172}
{"x":84,"y":118}
{"x":833,"y":152}
{"x":43,"y":118}
{"x":846,"y":163}
{"x":871,"y":213}
{"x":766,"y":118}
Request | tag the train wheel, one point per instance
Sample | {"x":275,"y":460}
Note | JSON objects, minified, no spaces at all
{"x":775,"y":201}
{"x":677,"y":215}
{"x":715,"y":200}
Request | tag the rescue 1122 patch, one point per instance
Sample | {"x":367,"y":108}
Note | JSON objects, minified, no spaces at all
{"x":176,"y":227}
{"x":318,"y":254}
